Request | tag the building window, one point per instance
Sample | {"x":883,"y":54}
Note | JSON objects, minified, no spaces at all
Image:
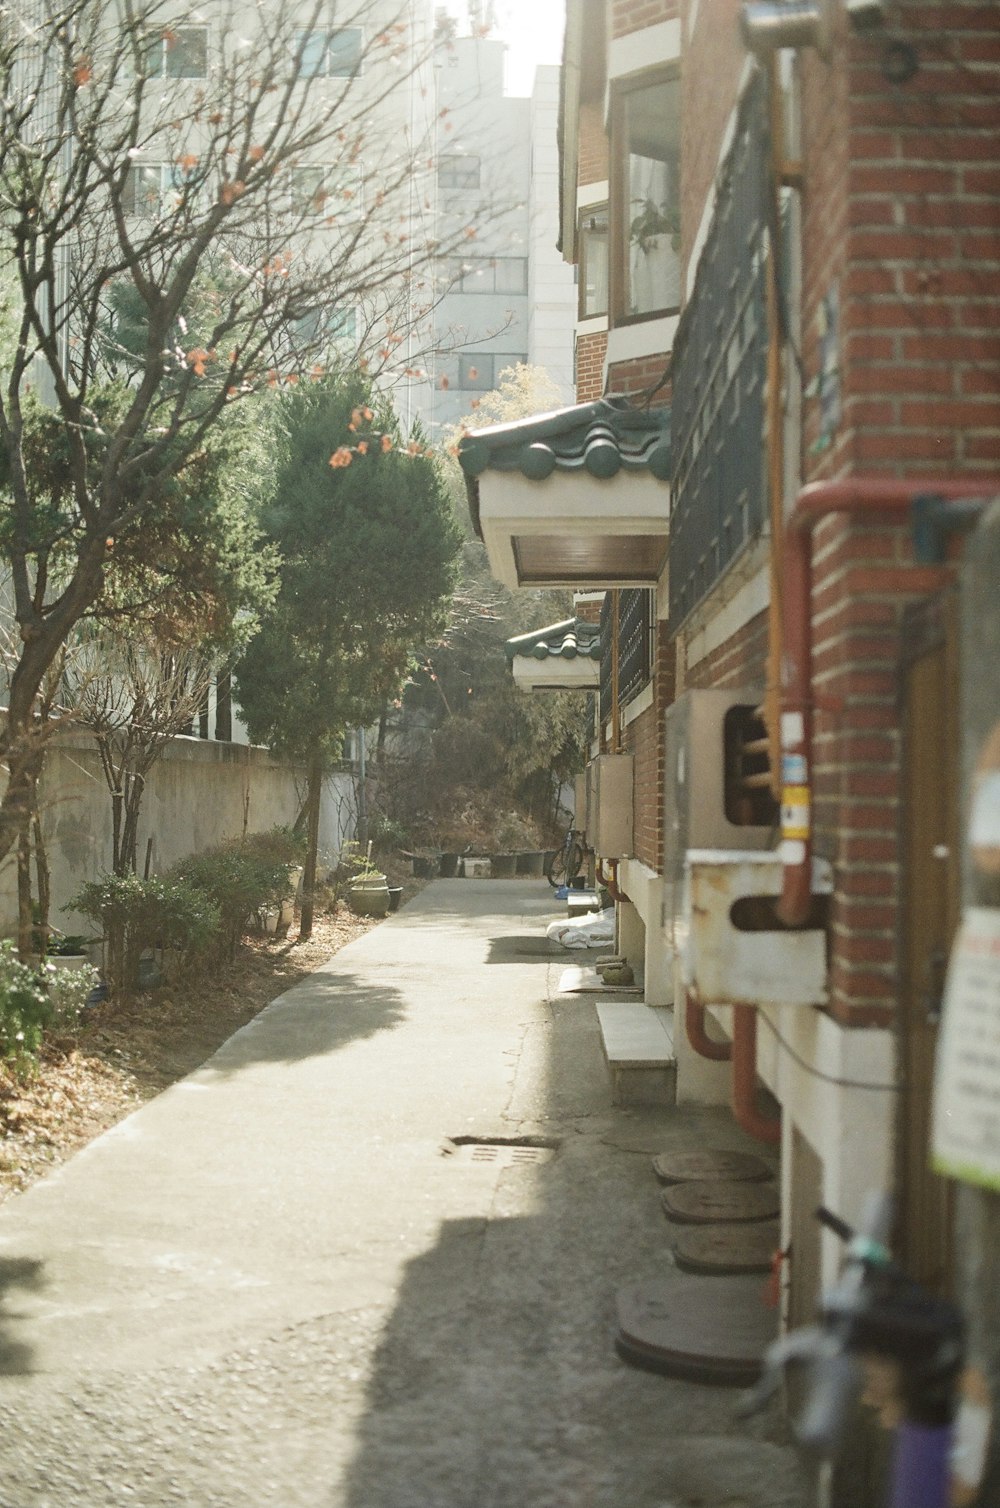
{"x":179,"y":52}
{"x":329,"y":54}
{"x":156,"y":188}
{"x":593,"y":272}
{"x":478,"y":371}
{"x":490,"y":275}
{"x":459,"y":171}
{"x":335,"y":192}
{"x":646,"y":198}
{"x":324,"y":327}
{"x":636,"y":615}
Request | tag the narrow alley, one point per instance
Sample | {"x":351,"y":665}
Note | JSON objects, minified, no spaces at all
{"x":288,"y":1282}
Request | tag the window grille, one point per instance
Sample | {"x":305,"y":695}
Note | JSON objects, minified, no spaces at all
{"x":635,"y":645}
{"x":719,"y":494}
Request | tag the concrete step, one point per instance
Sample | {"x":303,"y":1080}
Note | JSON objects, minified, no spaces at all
{"x":639,"y":1049}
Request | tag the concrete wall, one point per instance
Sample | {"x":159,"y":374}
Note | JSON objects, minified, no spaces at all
{"x":199,"y":794}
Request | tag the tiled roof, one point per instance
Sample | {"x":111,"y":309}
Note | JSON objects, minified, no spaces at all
{"x":601,"y":438}
{"x":572,"y":639}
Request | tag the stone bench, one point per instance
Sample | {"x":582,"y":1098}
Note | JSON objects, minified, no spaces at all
{"x":639,"y":1049}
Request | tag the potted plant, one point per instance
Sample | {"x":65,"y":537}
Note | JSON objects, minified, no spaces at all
{"x":71,"y":949}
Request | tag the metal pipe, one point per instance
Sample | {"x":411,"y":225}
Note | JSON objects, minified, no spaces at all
{"x":852,"y":495}
{"x":748,"y":1117}
{"x":704,"y":1045}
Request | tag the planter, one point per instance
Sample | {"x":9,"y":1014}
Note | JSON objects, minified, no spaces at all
{"x":503,"y":866}
{"x":68,"y":960}
{"x":424,"y":868}
{"x":395,"y":896}
{"x":449,"y":866}
{"x":370,"y":896}
{"x":531,"y":864}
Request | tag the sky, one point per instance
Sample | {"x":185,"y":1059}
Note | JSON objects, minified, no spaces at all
{"x":532,"y":29}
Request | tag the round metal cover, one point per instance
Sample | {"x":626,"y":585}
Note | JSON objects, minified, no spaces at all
{"x":727,"y":1249}
{"x":711,"y":1330}
{"x":697,"y":1167}
{"x":709,"y":1203}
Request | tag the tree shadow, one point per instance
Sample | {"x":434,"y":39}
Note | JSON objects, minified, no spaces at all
{"x":318,"y":1016}
{"x":527,"y":949}
{"x":16,"y":1272}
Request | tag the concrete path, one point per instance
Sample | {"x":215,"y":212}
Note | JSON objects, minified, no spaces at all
{"x":269,"y":1287}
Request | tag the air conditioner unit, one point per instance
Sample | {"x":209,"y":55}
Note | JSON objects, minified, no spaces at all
{"x":710,"y":754}
{"x":609,"y":805}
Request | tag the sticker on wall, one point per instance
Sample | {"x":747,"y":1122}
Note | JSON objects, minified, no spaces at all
{"x":965,"y":1140}
{"x":984,"y":816}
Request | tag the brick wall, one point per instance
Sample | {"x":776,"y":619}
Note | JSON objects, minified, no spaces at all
{"x":902,"y":213}
{"x":639,"y":376}
{"x":632,"y":15}
{"x":590,"y":351}
{"x":864,"y":576}
{"x":714,"y":58}
{"x":592,"y":148}
{"x":740,"y":661}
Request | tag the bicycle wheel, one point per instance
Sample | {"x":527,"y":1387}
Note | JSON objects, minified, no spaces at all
{"x":565,"y":866}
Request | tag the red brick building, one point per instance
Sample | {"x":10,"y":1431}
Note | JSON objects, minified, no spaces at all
{"x":794,"y":252}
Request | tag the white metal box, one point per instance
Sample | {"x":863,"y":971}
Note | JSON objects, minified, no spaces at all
{"x":733,"y":949}
{"x":609,"y":805}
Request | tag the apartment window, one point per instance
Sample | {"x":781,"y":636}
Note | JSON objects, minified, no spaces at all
{"x":327,"y":327}
{"x":490,"y":275}
{"x":329,"y":54}
{"x":646,"y":198}
{"x":157,"y":188}
{"x":478,"y":371}
{"x":179,"y":52}
{"x":459,"y":171}
{"x":592,"y":240}
{"x":320,"y":189}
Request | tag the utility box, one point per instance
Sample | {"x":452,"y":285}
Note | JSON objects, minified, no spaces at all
{"x":713,"y":744}
{"x":609,"y":805}
{"x":734,"y":947}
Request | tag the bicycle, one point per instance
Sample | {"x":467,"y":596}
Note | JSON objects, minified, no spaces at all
{"x":567,"y":862}
{"x":876,"y":1310}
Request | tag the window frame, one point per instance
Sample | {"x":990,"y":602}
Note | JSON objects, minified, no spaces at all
{"x":619,"y":194}
{"x":160,"y":44}
{"x":329,"y":176}
{"x":449,"y":184}
{"x":591,"y":212}
{"x":306,"y":39}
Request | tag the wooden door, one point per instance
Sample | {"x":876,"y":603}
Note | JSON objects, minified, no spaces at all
{"x":929,"y":854}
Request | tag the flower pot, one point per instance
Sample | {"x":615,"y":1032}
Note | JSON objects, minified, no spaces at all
{"x":449,"y":866}
{"x":503,"y":866}
{"x":424,"y":867}
{"x":531,"y":864}
{"x":395,"y":896}
{"x":369,"y":896}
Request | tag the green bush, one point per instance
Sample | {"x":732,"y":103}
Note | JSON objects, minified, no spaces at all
{"x":68,"y":991}
{"x":25,"y":1010}
{"x":242,"y":879}
{"x":136,"y":915}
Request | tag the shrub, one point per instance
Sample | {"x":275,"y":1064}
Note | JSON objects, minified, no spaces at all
{"x":25,"y":1009}
{"x":136,"y":915}
{"x":241,"y":879}
{"x":68,"y":991}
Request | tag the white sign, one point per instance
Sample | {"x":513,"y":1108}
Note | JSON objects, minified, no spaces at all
{"x":966,"y":1129}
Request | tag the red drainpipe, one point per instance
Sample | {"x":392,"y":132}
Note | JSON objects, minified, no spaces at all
{"x":745,"y":1078}
{"x":704,"y":1045}
{"x":852,"y":495}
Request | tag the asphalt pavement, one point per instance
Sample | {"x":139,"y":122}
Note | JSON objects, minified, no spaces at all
{"x":366,"y":1257}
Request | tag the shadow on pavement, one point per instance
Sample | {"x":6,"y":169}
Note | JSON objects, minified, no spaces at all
{"x":528,"y":949}
{"x":324,"y":1013}
{"x":16,"y":1272}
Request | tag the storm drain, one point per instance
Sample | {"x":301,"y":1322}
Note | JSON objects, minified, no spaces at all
{"x":510,"y":1152}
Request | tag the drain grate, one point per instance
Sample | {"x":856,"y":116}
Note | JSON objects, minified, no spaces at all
{"x":511,"y":1152}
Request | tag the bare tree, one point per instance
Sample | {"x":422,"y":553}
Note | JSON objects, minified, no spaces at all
{"x":195,"y":209}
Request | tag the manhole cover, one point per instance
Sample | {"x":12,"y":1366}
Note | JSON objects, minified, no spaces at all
{"x":711,"y":1330}
{"x":708,"y":1165}
{"x":727,"y":1249}
{"x":708,"y":1203}
{"x":498,"y":1152}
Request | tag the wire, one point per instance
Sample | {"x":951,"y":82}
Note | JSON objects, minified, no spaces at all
{"x":816,"y":1073}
